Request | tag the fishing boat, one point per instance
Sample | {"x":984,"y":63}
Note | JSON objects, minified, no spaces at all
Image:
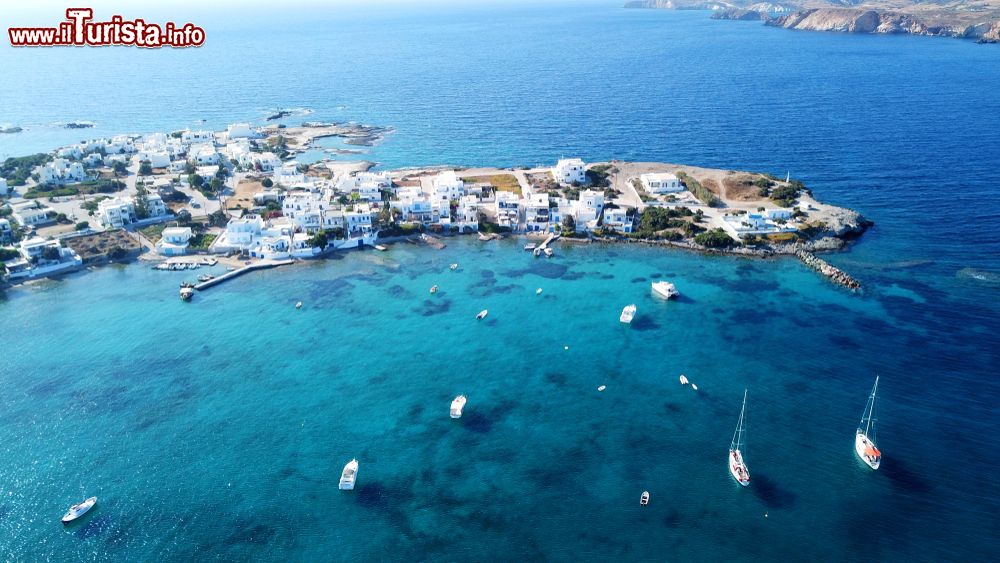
{"x":78,"y":510}
{"x":186,"y":284}
{"x":864,"y":439}
{"x":349,"y":475}
{"x":684,"y":379}
{"x":454,"y":266}
{"x":737,"y":466}
{"x":434,"y":289}
{"x":482,"y":314}
{"x":186,"y":293}
{"x":628,"y":313}
{"x":665,"y":289}
{"x":644,"y":499}
{"x":530,"y":246}
{"x":457,"y":405}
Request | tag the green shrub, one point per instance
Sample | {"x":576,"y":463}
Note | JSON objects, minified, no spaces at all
{"x":716,"y":238}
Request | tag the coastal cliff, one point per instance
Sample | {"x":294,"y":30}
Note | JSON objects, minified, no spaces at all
{"x":979,"y":22}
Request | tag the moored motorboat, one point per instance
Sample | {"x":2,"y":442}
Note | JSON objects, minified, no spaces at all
{"x":644,"y":499}
{"x":684,"y":379}
{"x":434,"y":289}
{"x":482,"y":314}
{"x":538,"y":291}
{"x":628,"y":313}
{"x":78,"y":510}
{"x":381,"y":247}
{"x":349,"y":475}
{"x":298,"y":305}
{"x":530,"y":246}
{"x":186,"y":293}
{"x":864,"y":438}
{"x":602,"y":387}
{"x":548,"y":252}
{"x":665,"y":289}
{"x":206,"y":277}
{"x":457,"y":405}
{"x":454,"y":266}
{"x":737,"y":466}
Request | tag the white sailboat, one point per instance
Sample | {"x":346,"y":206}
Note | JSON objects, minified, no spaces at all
{"x":864,"y":438}
{"x":737,"y":466}
{"x":349,"y":475}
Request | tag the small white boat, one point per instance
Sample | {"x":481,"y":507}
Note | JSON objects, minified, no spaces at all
{"x":349,"y":475}
{"x":602,"y":387}
{"x":454,"y":266}
{"x":684,"y":380}
{"x":381,"y":247}
{"x":538,"y":291}
{"x":78,"y":510}
{"x":186,"y":293}
{"x":434,"y":289}
{"x":737,"y":467}
{"x":665,"y":289}
{"x":457,"y":405}
{"x":530,"y":246}
{"x":485,"y":238}
{"x":644,"y":499}
{"x":864,"y":438}
{"x":548,"y":252}
{"x":482,"y":314}
{"x":693,"y":386}
{"x":628,"y":313}
{"x":298,"y":305}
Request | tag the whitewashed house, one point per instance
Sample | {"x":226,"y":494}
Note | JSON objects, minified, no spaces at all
{"x":306,"y":209}
{"x":466,"y":216}
{"x":413,"y":205}
{"x":536,"y":213}
{"x":92,"y":160}
{"x":661,"y":183}
{"x":359,"y":220}
{"x":156,"y":158}
{"x":240,"y":233}
{"x":116,"y":212}
{"x":193,"y":137}
{"x":570,"y":170}
{"x":268,"y":195}
{"x":72,"y":151}
{"x":174,"y":241}
{"x":448,"y":186}
{"x":31,"y":213}
{"x":507,"y":209}
{"x":589,"y":207}
{"x":40,"y":257}
{"x":619,"y":219}
{"x":4,"y":188}
{"x":154,"y":205}
{"x":205,"y":154}
{"x":368,"y":185}
{"x":61,"y":171}
{"x":239,"y":131}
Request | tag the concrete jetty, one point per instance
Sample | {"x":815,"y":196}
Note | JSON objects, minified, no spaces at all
{"x":822,"y":266}
{"x":262,"y":265}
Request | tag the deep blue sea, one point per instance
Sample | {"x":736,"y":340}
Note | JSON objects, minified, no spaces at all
{"x":217,"y":429}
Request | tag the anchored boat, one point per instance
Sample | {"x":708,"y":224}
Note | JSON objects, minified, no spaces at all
{"x":482,"y":314}
{"x":457,"y":405}
{"x":665,"y":289}
{"x":186,"y":293}
{"x":644,"y":499}
{"x":78,"y":510}
{"x":434,"y":289}
{"x":738,"y":467}
{"x":864,"y":438}
{"x":349,"y":475}
{"x":628,"y":313}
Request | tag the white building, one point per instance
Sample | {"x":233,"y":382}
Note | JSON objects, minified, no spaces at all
{"x":536,"y":213}
{"x":239,"y":131}
{"x":40,"y":257}
{"x":589,"y":207}
{"x":156,"y":159}
{"x":31,"y":213}
{"x":359,"y":220}
{"x":116,"y":212}
{"x":507,"y":210}
{"x":191,"y":137}
{"x":368,"y":185}
{"x":570,"y":170}
{"x":204,"y":154}
{"x":448,"y":186}
{"x":737,"y":226}
{"x":268,"y":195}
{"x":661,"y":183}
{"x":619,"y":219}
{"x":466,"y":215}
{"x":240,"y":233}
{"x":413,"y":205}
{"x":266,"y":161}
{"x":61,"y":171}
{"x":174,"y":241}
{"x":306,"y":209}
{"x":4,"y":188}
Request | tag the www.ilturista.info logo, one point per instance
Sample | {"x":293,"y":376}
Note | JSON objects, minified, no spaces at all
{"x":79,"y":30}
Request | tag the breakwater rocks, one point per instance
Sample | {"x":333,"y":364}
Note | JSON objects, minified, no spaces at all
{"x":822,"y":266}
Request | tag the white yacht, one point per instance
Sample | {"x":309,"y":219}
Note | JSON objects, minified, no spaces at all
{"x":349,"y":475}
{"x":457,"y":405}
{"x":628,"y":313}
{"x":78,"y":510}
{"x":665,"y":289}
{"x":864,"y":438}
{"x":737,"y":466}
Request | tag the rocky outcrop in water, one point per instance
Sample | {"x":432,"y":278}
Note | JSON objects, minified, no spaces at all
{"x":739,"y":15}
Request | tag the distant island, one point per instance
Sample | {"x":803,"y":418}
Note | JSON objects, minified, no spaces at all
{"x":966,"y":19}
{"x":240,"y":194}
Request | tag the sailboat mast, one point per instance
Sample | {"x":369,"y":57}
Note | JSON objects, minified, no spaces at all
{"x":738,"y":435}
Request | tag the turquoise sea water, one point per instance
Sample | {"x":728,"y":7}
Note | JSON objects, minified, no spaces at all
{"x":217,"y":429}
